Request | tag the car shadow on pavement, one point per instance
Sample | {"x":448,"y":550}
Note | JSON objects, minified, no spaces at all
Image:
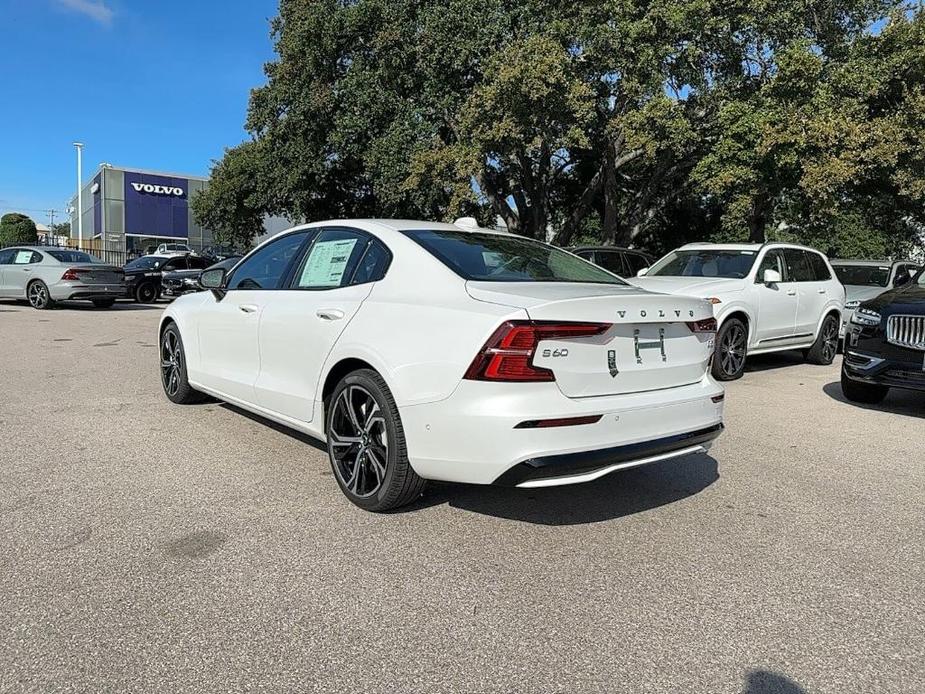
{"x":775,"y":360}
{"x":905,"y":402}
{"x":13,"y":305}
{"x":766,"y":682}
{"x":618,"y":494}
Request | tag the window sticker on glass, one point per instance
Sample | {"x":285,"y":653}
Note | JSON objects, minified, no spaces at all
{"x":23,"y":257}
{"x":327,"y":263}
{"x":492,"y":259}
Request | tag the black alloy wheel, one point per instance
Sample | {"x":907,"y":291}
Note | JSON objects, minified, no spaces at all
{"x":366,"y":444}
{"x":173,"y":369}
{"x":146,"y":293}
{"x":38,"y":295}
{"x":825,"y":347}
{"x":731,"y":350}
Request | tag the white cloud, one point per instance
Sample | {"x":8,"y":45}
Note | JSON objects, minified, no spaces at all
{"x":96,"y":10}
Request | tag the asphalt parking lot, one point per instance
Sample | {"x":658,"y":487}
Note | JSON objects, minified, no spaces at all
{"x":152,"y":547}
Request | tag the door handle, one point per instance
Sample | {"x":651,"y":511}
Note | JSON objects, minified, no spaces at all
{"x":27,"y":269}
{"x":822,"y":291}
{"x":329,"y":314}
{"x":792,"y":292}
{"x":248,"y":308}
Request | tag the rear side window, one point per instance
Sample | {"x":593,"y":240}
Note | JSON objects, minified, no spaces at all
{"x":373,"y":264}
{"x":266,"y":267}
{"x":798,"y":267}
{"x":506,"y":258}
{"x":635,"y":262}
{"x":73,"y":257}
{"x":331,"y":260}
{"x":820,"y":267}
{"x":611,"y":260}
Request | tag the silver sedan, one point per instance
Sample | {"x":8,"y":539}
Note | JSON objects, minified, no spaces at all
{"x":47,"y":275}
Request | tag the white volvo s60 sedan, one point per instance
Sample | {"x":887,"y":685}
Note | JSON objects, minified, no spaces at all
{"x":421,"y":351}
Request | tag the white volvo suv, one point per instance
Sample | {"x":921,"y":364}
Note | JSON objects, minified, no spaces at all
{"x":420,"y":351}
{"x":766,"y":298}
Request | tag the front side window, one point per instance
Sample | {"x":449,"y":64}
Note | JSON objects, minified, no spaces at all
{"x":773,"y":260}
{"x":635,"y":262}
{"x":175,"y":264}
{"x":331,"y":260}
{"x":507,"y":258}
{"x":699,"y":262}
{"x":145,"y":263}
{"x":266,"y":267}
{"x":798,"y":267}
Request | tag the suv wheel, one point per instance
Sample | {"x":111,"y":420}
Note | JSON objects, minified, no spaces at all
{"x":856,"y":391}
{"x":38,"y":295}
{"x":825,"y":347}
{"x":731,"y":349}
{"x":366,"y":444}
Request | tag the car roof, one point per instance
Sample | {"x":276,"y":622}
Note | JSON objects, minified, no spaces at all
{"x":388,"y":225}
{"x":870,"y":263}
{"x":746,"y":246}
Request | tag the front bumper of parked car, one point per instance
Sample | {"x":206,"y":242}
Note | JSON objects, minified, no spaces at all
{"x":473,"y":436}
{"x":870,"y":359}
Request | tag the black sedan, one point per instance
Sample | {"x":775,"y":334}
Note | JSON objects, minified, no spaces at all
{"x":180,"y":282}
{"x":143,"y":275}
{"x":885,"y":344}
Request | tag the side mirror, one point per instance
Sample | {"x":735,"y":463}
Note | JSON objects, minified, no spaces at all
{"x":642,"y":272}
{"x":771,"y":276}
{"x":212,"y":279}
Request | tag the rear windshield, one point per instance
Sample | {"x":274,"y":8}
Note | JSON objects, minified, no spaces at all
{"x":863,"y":275}
{"x":504,"y":258}
{"x":73,"y":257}
{"x":704,"y":263}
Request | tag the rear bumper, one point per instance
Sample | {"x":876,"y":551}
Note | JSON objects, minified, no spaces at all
{"x":78,"y":291}
{"x":471,"y":436}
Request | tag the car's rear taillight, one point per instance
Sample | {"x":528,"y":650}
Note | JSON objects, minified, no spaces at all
{"x":71,"y":274}
{"x":707,"y":325}
{"x":508,"y":354}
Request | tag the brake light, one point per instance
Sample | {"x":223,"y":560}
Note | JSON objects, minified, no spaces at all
{"x":559,"y":422}
{"x":707,"y":325}
{"x":508,"y":354}
{"x":71,"y":274}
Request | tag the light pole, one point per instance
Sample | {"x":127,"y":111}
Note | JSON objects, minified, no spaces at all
{"x":80,"y":208}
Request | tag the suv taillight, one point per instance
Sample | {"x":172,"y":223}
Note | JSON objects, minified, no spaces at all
{"x":707,"y":325}
{"x":71,"y":274}
{"x":508,"y":354}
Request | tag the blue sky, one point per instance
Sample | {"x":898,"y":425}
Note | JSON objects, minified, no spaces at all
{"x":159,"y":85}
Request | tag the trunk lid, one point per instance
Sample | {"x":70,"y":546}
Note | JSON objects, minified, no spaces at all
{"x":96,"y":273}
{"x":649,"y":345}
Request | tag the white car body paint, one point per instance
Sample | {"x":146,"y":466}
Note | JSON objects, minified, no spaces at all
{"x":787,"y":315}
{"x":421,"y":326}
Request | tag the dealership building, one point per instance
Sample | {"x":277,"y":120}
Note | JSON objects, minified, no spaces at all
{"x":128,"y":210}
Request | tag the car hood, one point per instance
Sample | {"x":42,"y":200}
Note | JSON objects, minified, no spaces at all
{"x":703,"y":287}
{"x":908,"y":299}
{"x":858,"y":292}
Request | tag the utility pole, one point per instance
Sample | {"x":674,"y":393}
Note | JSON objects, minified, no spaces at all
{"x":80,"y":208}
{"x":51,"y":226}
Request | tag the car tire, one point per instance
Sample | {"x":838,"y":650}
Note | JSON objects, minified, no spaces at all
{"x":38,"y":295}
{"x":730,"y":351}
{"x":825,"y":347}
{"x":173,"y":369}
{"x":146,"y":293}
{"x":104,"y":303}
{"x":366,"y":444}
{"x":867,"y":393}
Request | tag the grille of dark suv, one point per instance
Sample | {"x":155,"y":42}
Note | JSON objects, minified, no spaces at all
{"x":906,"y":331}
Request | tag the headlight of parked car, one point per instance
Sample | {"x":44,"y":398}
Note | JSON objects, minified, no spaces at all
{"x":852,"y":304}
{"x":864,"y":316}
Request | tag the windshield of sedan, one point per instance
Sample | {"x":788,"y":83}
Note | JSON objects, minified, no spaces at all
{"x":73,"y":257}
{"x":145,"y":263}
{"x":863,"y":275}
{"x":507,"y":258}
{"x":704,"y":263}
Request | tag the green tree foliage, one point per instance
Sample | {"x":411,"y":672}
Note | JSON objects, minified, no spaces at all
{"x":61,"y":229}
{"x":613,"y":120}
{"x":17,"y":228}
